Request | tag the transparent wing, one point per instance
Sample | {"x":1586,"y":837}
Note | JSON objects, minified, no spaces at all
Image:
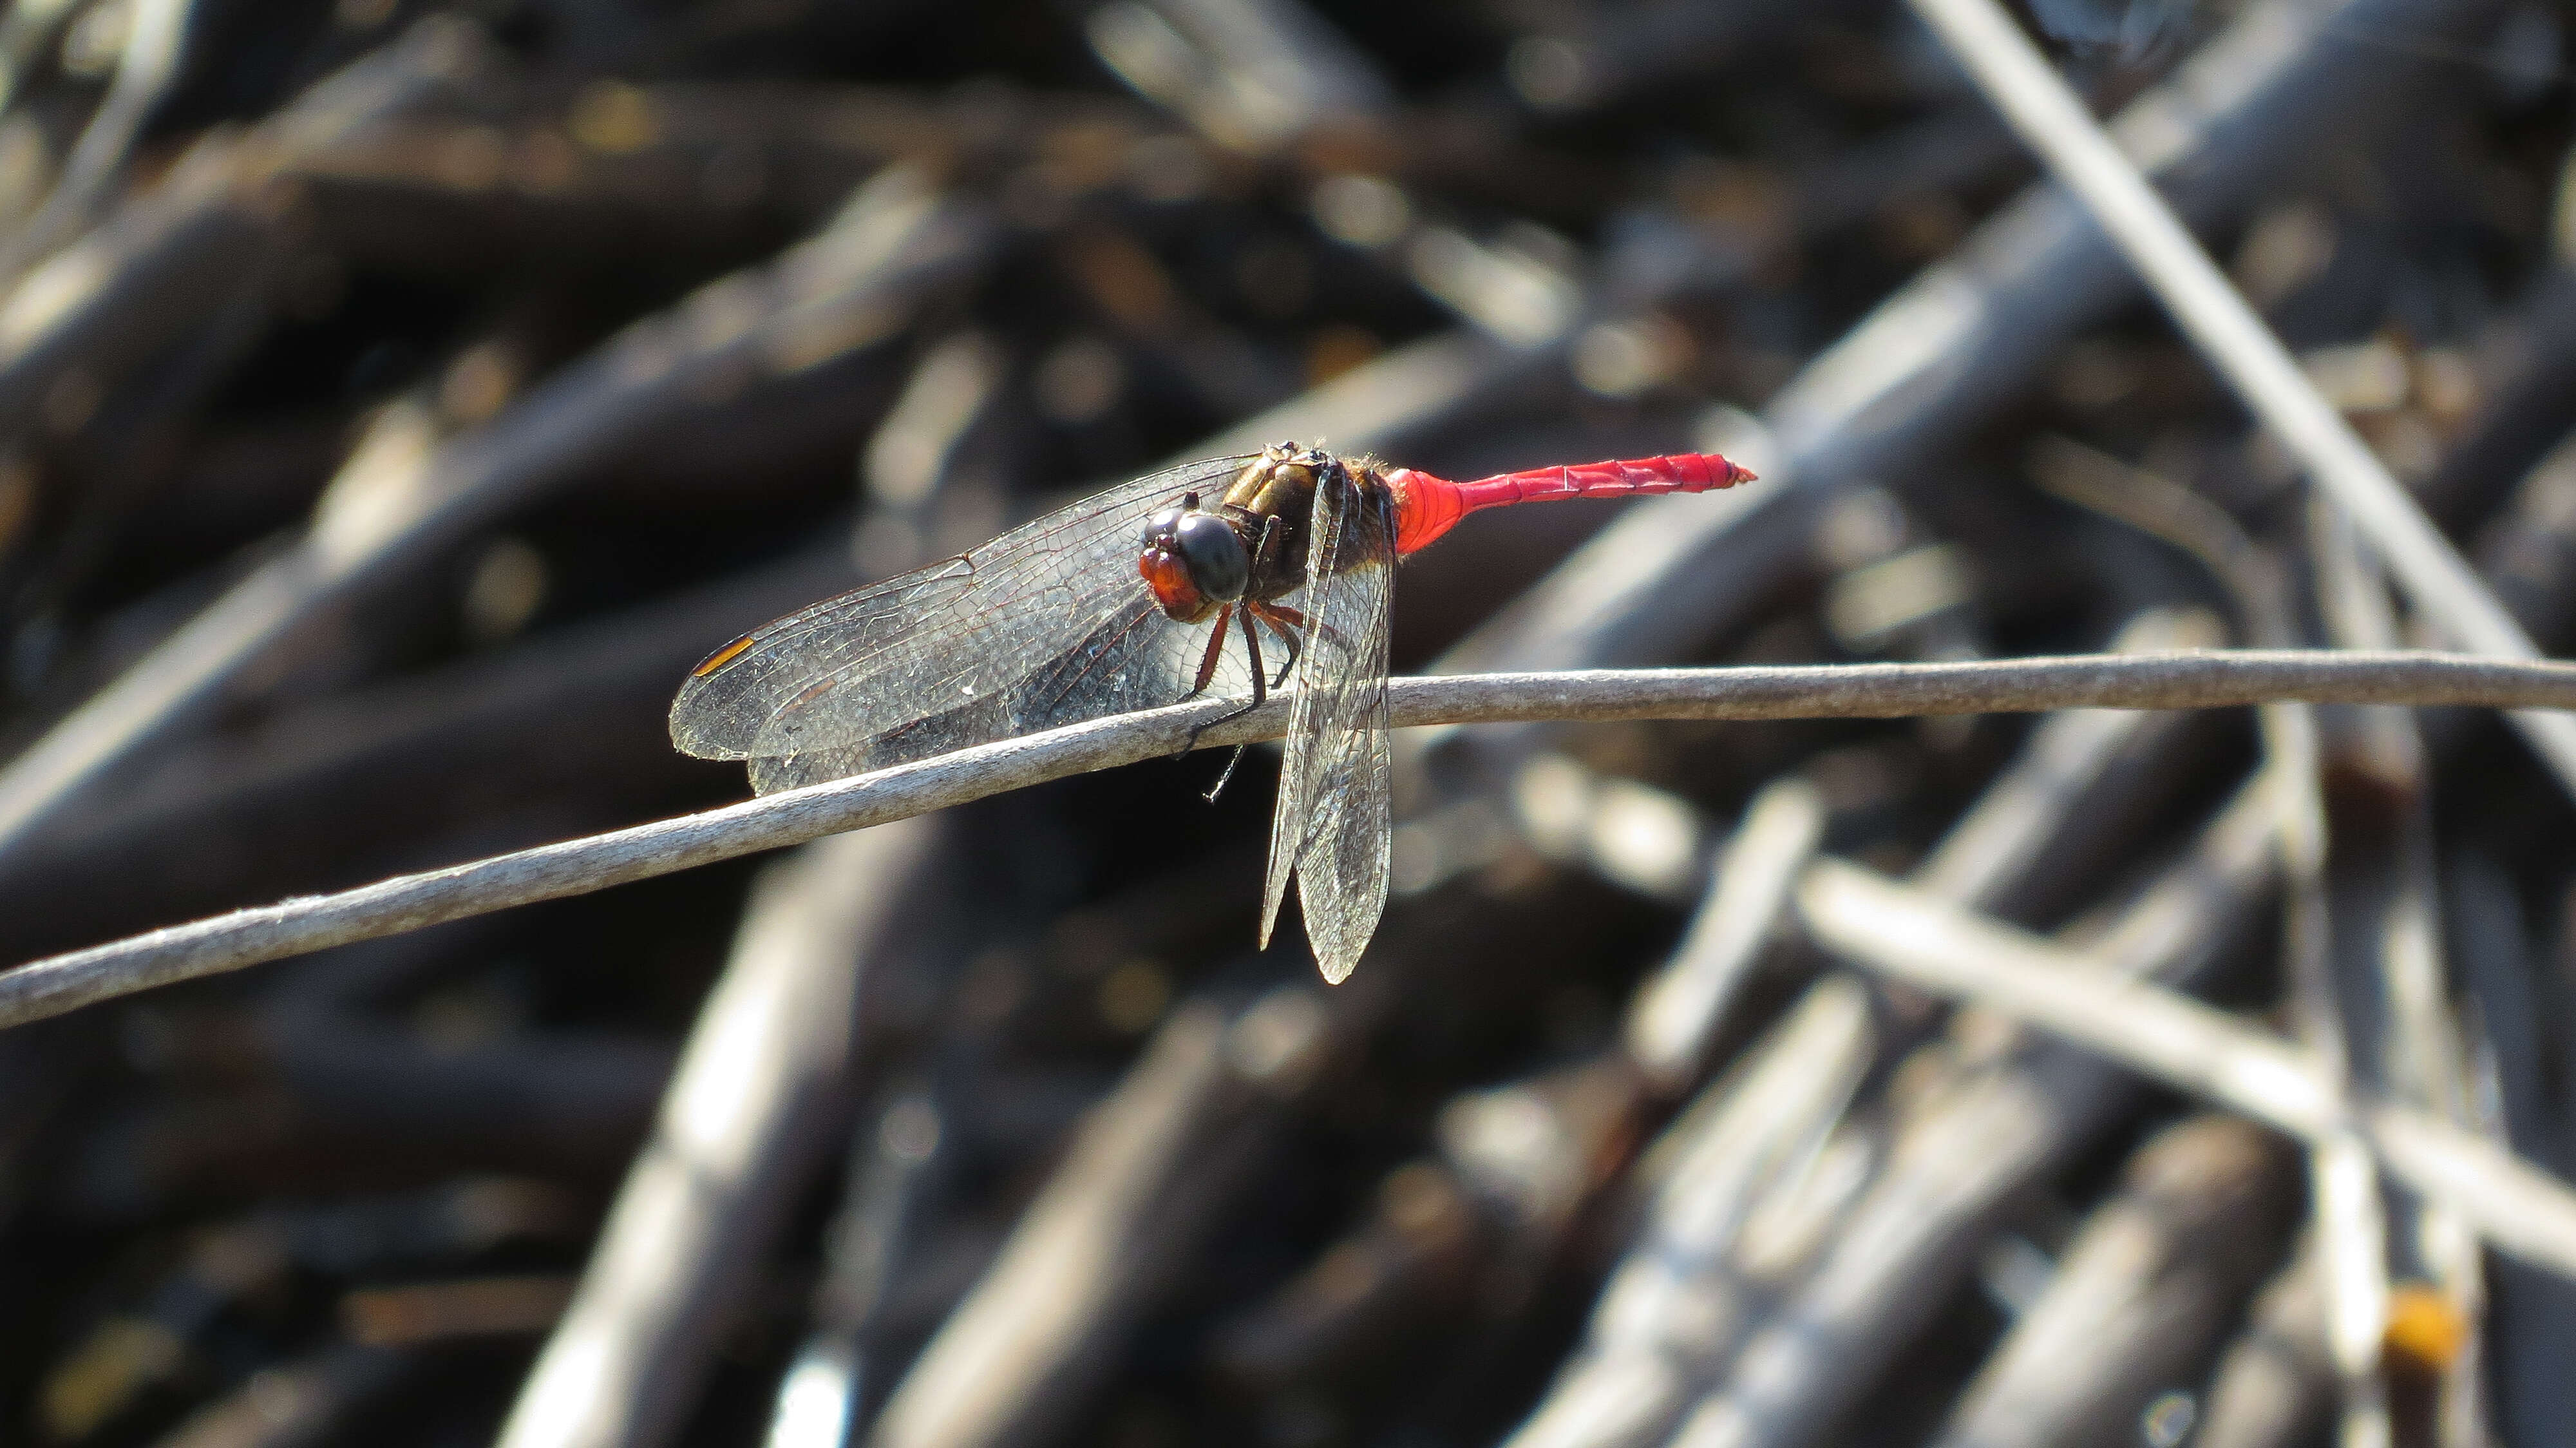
{"x":1044,"y":625}
{"x":1333,"y":820}
{"x":1133,"y":658}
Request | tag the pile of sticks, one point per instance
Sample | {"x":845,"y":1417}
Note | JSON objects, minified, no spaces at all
{"x":397,"y":399}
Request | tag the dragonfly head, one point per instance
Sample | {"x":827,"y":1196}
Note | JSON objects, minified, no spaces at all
{"x":1194,"y":561}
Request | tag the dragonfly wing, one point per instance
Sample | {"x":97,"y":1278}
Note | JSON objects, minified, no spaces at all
{"x":1129,"y":660}
{"x":1333,"y":821}
{"x":1342,"y":876}
{"x":1044,"y":625}
{"x":976,"y":723}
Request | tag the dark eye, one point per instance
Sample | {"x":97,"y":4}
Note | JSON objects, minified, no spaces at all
{"x":1160,"y":525}
{"x":1216,"y":558}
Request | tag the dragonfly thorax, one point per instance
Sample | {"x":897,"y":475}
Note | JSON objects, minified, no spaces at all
{"x":1251,"y":545}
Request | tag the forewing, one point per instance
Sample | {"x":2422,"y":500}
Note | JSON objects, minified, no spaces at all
{"x":1133,"y":658}
{"x":1333,"y":821}
{"x":958,"y":642}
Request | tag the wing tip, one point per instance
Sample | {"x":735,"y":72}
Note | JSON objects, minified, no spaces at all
{"x":1274,"y":884}
{"x":699,"y":726}
{"x":690,"y":737}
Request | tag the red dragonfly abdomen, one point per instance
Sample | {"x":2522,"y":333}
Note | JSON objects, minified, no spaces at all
{"x":1426,"y":507}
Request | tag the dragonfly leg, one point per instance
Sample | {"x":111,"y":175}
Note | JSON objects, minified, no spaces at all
{"x":1207,"y":671}
{"x":1266,"y":548}
{"x":1225,"y":774}
{"x":1287,"y":622}
{"x":1251,"y":646}
{"x":1215,"y":651}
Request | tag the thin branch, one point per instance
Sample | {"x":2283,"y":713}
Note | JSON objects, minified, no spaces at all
{"x":2056,"y":124}
{"x":2373,"y":883}
{"x":403,"y":494}
{"x":1952,"y":347}
{"x":1992,"y":1121}
{"x":156,"y":42}
{"x":2159,"y":1269}
{"x":1144,"y":1177}
{"x":1670,"y":1309}
{"x":1861,"y":691}
{"x":2075,"y":794}
{"x":216,"y":228}
{"x":744,"y":1121}
{"x":2276,"y":1383}
{"x":2190,"y":1046}
{"x":2351,"y":1230}
{"x":1676,"y":1015}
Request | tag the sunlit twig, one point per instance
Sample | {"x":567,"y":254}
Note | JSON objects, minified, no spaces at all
{"x":1875,"y":691}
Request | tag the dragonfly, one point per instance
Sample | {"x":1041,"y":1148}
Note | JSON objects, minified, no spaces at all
{"x":1129,"y":600}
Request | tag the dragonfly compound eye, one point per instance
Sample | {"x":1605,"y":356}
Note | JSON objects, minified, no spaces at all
{"x":1193,"y":562}
{"x":1218,"y":562}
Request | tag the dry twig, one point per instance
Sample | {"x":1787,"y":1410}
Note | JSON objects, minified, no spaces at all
{"x":1867,"y":691}
{"x":2190,"y":1046}
{"x":2056,"y":124}
{"x":764,"y":1080}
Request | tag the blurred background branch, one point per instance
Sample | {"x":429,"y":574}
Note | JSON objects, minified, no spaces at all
{"x":398,"y":396}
